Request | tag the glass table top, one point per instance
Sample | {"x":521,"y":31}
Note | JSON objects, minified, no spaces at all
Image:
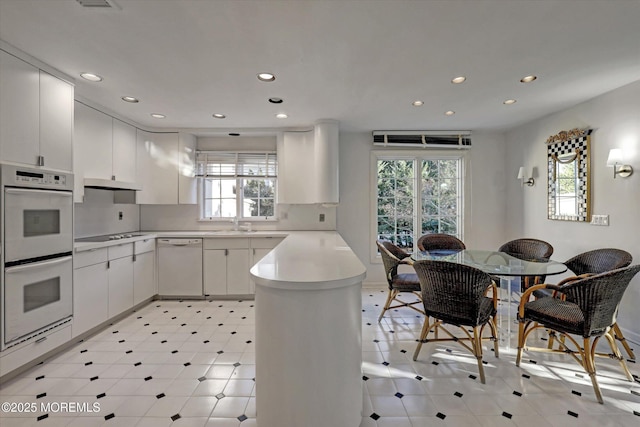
{"x":493,"y":262}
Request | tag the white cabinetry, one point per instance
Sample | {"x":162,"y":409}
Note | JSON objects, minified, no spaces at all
{"x":308,"y":165}
{"x":157,"y":168}
{"x":226,"y":266}
{"x":90,"y":290}
{"x":124,"y":151}
{"x":187,"y":184}
{"x":105,"y":148}
{"x":36,"y":112}
{"x":227,"y":262}
{"x":120,"y":268}
{"x":144,"y":266}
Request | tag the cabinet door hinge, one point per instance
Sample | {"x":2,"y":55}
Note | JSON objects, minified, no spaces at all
{"x":40,"y":160}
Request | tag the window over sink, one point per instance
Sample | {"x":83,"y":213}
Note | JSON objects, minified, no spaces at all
{"x":237,"y":185}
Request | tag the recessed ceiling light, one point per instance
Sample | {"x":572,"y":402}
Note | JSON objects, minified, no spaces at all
{"x":449,"y":113}
{"x":266,"y":77}
{"x":219,"y":116}
{"x":130,"y":99}
{"x":458,"y":80}
{"x":417,"y":103}
{"x":91,"y":77}
{"x":281,"y":116}
{"x":528,"y":79}
{"x":509,"y":101}
{"x":276,"y":100}
{"x":158,"y":116}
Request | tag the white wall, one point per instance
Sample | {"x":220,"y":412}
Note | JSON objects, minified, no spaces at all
{"x":485,"y":186}
{"x":98,"y":215}
{"x":615,"y":118}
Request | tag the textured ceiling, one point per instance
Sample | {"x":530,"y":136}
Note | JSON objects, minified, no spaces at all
{"x":360,"y":62}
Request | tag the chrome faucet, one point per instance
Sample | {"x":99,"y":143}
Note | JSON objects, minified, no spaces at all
{"x":235,"y":223}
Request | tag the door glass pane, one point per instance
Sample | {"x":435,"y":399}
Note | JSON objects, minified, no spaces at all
{"x":41,"y":222}
{"x":39,"y":294}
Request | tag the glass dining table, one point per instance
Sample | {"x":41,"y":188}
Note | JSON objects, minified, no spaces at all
{"x":509,"y":269}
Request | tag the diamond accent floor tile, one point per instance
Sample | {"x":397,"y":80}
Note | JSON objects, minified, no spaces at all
{"x":180,"y":362}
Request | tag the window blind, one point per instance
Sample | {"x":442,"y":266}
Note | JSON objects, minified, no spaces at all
{"x":224,"y":164}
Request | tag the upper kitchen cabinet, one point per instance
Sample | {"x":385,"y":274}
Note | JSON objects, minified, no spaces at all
{"x":105,"y":151}
{"x":36,"y":112}
{"x":124,"y":151}
{"x":187,"y":183}
{"x":157,"y":168}
{"x":308,"y":165}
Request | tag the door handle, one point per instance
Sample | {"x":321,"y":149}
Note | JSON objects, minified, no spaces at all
{"x":28,"y":191}
{"x":43,"y":264}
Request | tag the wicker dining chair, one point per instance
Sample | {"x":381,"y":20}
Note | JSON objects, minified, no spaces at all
{"x":529,"y":250}
{"x":434,"y":241}
{"x":392,"y":257}
{"x":456,"y":294}
{"x":589,"y":310}
{"x":595,"y":262}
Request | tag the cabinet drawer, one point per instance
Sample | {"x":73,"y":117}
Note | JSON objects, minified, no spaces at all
{"x":120,"y":251}
{"x":90,"y":257}
{"x":14,"y":358}
{"x":265,"y":242}
{"x":142,"y":246}
{"x":240,"y":243}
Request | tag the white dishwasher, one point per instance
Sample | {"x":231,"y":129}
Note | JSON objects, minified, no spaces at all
{"x":180,"y":268}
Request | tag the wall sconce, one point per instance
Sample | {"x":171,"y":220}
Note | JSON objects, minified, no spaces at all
{"x":524,"y":180}
{"x":615,"y":160}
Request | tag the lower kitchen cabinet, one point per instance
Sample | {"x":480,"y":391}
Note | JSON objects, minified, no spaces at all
{"x":90,"y":296}
{"x":226,"y":266}
{"x":227,"y":262}
{"x":144,"y":266}
{"x":120,"y":285}
{"x":90,"y":290}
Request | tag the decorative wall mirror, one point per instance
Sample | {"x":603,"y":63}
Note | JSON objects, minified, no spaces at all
{"x":569,"y":178}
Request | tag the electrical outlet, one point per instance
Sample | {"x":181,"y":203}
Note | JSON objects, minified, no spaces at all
{"x":600,"y":220}
{"x":321,"y":218}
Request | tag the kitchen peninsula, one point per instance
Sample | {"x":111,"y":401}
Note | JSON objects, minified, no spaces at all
{"x":308,"y":332}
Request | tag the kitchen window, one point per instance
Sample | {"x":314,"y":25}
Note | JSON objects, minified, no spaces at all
{"x":416,"y":195}
{"x":237,"y":185}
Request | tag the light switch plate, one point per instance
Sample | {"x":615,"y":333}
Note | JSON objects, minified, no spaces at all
{"x":600,"y":220}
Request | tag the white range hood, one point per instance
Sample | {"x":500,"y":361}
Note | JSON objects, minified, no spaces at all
{"x":108,"y":184}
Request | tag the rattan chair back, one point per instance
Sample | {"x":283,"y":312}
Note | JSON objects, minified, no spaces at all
{"x":454,"y":293}
{"x":392,"y":256}
{"x":528,"y":249}
{"x":599,"y":261}
{"x":435,"y":241}
{"x":598,"y":298}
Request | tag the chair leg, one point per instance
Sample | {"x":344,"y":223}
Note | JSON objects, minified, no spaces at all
{"x":617,"y":333}
{"x":520,"y":342}
{"x":590,"y":366}
{"x":423,"y":336}
{"x":610,"y":336}
{"x":390,"y":297}
{"x":477,"y":351}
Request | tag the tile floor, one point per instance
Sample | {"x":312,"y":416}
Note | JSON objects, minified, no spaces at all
{"x":192,"y":363}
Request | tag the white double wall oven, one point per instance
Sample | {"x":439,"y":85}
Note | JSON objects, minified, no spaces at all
{"x":37,"y":248}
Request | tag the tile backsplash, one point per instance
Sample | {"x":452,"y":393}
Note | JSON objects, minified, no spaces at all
{"x":99,"y":215}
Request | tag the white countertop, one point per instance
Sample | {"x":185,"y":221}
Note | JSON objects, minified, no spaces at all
{"x":305,"y":260}
{"x":309,"y":260}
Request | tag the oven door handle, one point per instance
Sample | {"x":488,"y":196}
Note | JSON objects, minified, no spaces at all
{"x":43,"y":264}
{"x":29,"y":191}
